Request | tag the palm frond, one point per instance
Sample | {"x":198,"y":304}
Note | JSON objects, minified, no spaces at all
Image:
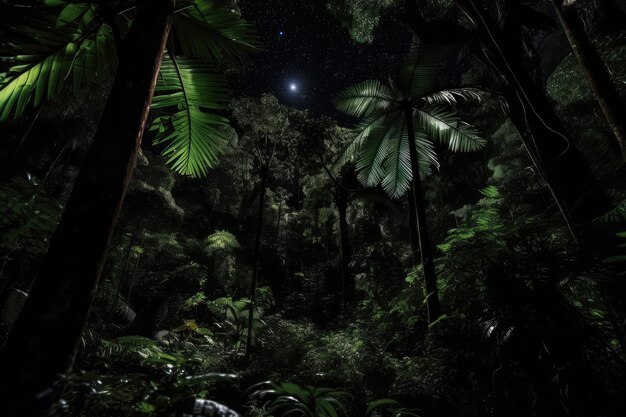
{"x":370,"y":164}
{"x":363,"y":130}
{"x":364,"y":98}
{"x":446,"y":127}
{"x":452,"y":96}
{"x":398,"y":164}
{"x":194,"y":135}
{"x":44,"y":56}
{"x":205,"y":31}
{"x":426,"y":155}
{"x":421,"y":70}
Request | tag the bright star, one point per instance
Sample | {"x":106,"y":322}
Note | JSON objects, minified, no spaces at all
{"x":293,"y":87}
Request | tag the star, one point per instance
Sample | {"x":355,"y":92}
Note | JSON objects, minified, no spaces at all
{"x":293,"y":87}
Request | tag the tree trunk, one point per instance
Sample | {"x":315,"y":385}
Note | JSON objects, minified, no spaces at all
{"x":45,"y":338}
{"x":257,"y":259}
{"x":345,"y":249}
{"x":577,"y":192}
{"x":426,"y":251}
{"x":603,"y":89}
{"x":415,"y":244}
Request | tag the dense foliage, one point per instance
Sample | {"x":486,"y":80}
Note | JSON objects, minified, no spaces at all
{"x":270,"y":261}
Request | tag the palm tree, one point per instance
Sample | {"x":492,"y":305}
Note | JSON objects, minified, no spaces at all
{"x":78,"y":41}
{"x":395,"y":143}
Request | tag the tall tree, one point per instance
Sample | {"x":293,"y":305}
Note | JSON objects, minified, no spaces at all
{"x":265,"y":127}
{"x":595,"y":70}
{"x":78,"y":44}
{"x":501,"y":45}
{"x":395,"y":144}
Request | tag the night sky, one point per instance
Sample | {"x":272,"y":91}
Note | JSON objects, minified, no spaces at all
{"x":309,"y":56}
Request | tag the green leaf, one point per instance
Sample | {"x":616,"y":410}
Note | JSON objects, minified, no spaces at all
{"x":46,"y":56}
{"x":204,"y":31}
{"x":444,"y":126}
{"x":364,"y":98}
{"x":194,"y":133}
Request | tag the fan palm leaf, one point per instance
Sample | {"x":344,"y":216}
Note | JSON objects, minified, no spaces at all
{"x":193,"y":132}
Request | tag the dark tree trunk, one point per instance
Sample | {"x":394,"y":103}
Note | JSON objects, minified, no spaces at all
{"x":415,"y":243}
{"x":577,"y":191}
{"x":44,"y":340}
{"x":257,"y":259}
{"x":579,"y":195}
{"x":603,"y":89}
{"x":425,"y":244}
{"x":345,"y":249}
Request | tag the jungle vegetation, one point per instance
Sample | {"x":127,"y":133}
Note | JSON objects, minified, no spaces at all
{"x":449,"y":240}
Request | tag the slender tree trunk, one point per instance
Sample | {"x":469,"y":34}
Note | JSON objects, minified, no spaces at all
{"x":415,"y":243}
{"x":45,"y":338}
{"x":425,"y":244}
{"x":345,"y":249}
{"x":257,"y":259}
{"x":280,"y":213}
{"x":603,"y":89}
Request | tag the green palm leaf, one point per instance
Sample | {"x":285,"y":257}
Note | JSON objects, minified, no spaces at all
{"x":204,"y":31}
{"x":397,"y":165}
{"x":452,"y":96}
{"x":364,"y":98}
{"x":194,"y":133}
{"x":398,"y":170}
{"x":44,"y":55}
{"x":442,"y":125}
{"x":362,"y":131}
{"x":375,"y":149}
